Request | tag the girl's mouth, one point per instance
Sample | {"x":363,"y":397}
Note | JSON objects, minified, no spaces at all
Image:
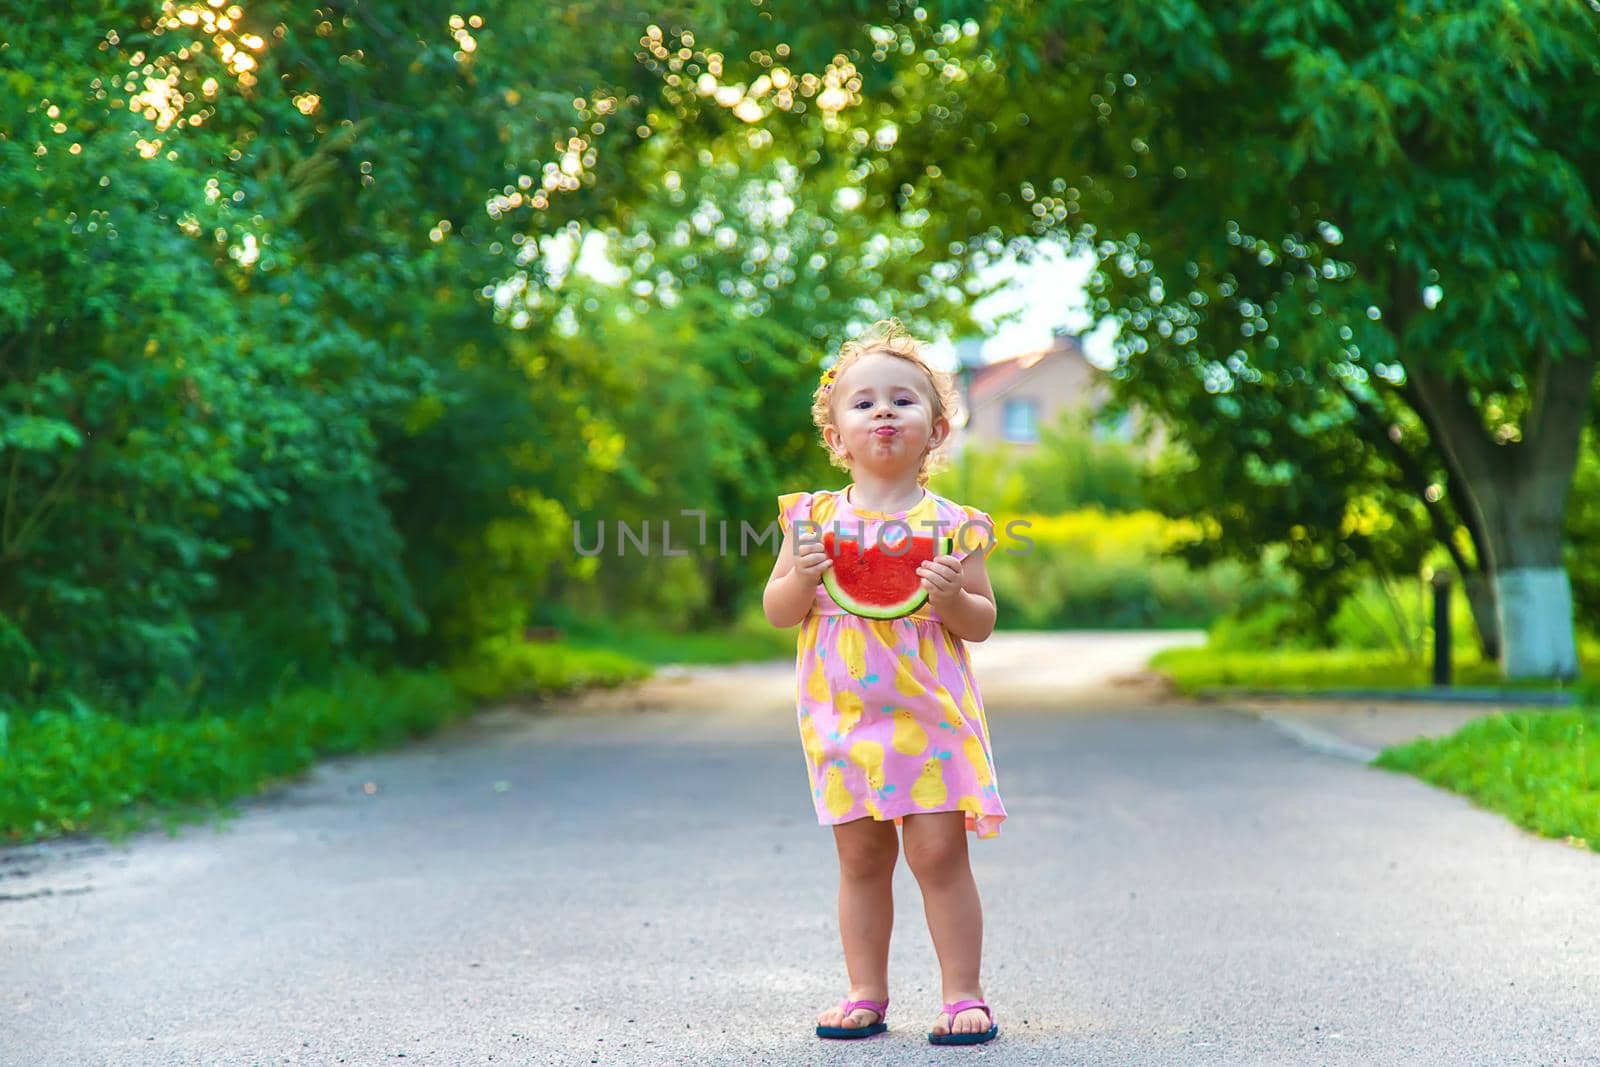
{"x":886,"y":431}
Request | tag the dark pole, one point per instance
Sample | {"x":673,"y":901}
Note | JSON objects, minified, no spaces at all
{"x":1441,"y":627}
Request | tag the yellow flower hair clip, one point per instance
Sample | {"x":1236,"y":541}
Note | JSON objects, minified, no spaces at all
{"x":828,"y":375}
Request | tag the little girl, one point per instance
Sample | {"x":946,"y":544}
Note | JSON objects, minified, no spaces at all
{"x":891,"y":720}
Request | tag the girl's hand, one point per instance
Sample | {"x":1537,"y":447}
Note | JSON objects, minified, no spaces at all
{"x":942,"y":578}
{"x":811,"y":559}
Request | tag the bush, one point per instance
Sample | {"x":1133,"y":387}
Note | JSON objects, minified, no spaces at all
{"x":79,"y":769}
{"x":509,"y":667}
{"x":1075,"y":464}
{"x":1581,"y":543}
{"x":74,"y":769}
{"x":749,"y":637}
{"x":1096,"y":570}
{"x":1296,"y":669}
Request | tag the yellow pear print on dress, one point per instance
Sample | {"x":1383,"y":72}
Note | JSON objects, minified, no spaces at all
{"x":929,"y":790}
{"x":929,"y":653}
{"x":905,"y":681}
{"x":873,"y":809}
{"x":868,"y":755}
{"x":947,"y":704}
{"x":810,"y":741}
{"x":979,"y":761}
{"x":852,"y":646}
{"x":910,"y":739}
{"x":974,"y":713}
{"x":849,"y":707}
{"x":970,"y":805}
{"x":834,"y":794}
{"x":817,"y":685}
{"x":883,"y":630}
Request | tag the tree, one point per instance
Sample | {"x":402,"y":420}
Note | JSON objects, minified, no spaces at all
{"x":1393,"y":206}
{"x":301,"y":387}
{"x":216,"y":230}
{"x":155,"y":400}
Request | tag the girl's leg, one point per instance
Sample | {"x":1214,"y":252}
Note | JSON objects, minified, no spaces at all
{"x":936,"y":852}
{"x":868,"y":850}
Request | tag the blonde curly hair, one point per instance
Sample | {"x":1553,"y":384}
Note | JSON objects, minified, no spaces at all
{"x":889,"y":337}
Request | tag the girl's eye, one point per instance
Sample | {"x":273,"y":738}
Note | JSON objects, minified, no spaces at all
{"x":906,"y":400}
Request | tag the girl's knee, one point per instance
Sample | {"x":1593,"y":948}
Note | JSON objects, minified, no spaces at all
{"x":868,"y":855}
{"x":937,"y":857}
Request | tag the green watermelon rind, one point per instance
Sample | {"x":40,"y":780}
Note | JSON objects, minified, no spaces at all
{"x":945,"y":545}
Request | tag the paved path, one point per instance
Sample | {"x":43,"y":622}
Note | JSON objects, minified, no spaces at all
{"x":638,"y":879}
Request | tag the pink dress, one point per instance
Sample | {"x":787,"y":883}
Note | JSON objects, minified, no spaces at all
{"x":891,"y":720}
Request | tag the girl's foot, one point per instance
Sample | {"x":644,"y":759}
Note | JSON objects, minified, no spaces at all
{"x":858,"y":1018}
{"x":969,"y":1021}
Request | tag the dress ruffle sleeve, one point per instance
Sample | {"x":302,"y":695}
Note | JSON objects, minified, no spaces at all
{"x":792,"y":506}
{"x":975,"y":535}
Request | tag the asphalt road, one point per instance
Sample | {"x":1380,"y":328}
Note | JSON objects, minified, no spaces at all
{"x":637,"y":878}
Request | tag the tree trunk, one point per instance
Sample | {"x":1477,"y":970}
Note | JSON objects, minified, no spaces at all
{"x":1518,"y":495}
{"x":1480,"y":596}
{"x":1533,"y":596}
{"x":722,"y":606}
{"x":1474,"y":579}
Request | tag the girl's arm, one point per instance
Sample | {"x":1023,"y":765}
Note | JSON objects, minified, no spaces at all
{"x":960,"y":591}
{"x":788,"y":596}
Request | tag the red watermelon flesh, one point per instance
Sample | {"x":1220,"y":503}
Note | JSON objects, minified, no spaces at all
{"x":879,"y":581}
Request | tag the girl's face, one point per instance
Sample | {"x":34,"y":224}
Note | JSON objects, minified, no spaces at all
{"x":882,"y":416}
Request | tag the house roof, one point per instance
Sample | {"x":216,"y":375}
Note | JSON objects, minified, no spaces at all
{"x":996,"y":377}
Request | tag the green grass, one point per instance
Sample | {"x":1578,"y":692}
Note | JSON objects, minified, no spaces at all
{"x":509,"y":668}
{"x":1541,"y":769}
{"x":751,"y":638}
{"x":1311,"y":670}
{"x":76,"y":770}
{"x":83,"y":771}
{"x":65,"y":771}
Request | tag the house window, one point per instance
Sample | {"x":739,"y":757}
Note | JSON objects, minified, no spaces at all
{"x":1021,"y":420}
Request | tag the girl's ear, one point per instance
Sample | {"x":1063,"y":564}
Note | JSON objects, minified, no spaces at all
{"x":830,"y":434}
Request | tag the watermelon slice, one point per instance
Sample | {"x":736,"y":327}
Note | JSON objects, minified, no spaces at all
{"x":879,"y":581}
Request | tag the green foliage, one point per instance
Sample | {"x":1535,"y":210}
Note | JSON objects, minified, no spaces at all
{"x":1101,"y":559}
{"x":1395,"y":615}
{"x":1381,"y":613}
{"x":1070,"y":467}
{"x":65,"y":771}
{"x":291,"y":347}
{"x":1093,"y":570}
{"x":511,"y":668}
{"x":1346,"y":252}
{"x":1581,"y":546}
{"x":750,"y":638}
{"x":1289,"y":669}
{"x":292,"y":375}
{"x":261,"y":374}
{"x":80,"y":770}
{"x":1541,"y":769}
{"x":195,"y":374}
{"x":1310,"y":670}
{"x":1231,"y":659}
{"x":733,"y":288}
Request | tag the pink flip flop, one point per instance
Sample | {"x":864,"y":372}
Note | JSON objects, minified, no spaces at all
{"x":977,"y":1038}
{"x":877,"y":1026}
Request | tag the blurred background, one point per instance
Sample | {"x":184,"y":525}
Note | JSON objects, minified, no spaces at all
{"x":327,"y":333}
